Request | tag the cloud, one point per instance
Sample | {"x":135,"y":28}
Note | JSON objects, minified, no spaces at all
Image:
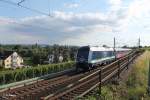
{"x":115,"y":2}
{"x":71,"y":5}
{"x":80,"y":28}
{"x":57,"y":29}
{"x":115,"y":5}
{"x":137,"y":14}
{"x":136,"y":17}
{"x":60,"y":28}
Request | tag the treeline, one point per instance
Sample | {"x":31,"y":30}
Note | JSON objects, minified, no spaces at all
{"x":10,"y":76}
{"x":38,"y":54}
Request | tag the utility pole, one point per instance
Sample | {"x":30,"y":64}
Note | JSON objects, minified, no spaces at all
{"x":114,"y":47}
{"x":139,"y":42}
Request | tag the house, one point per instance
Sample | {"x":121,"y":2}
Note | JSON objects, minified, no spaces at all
{"x":11,"y":59}
{"x":50,"y":59}
{"x":60,"y":58}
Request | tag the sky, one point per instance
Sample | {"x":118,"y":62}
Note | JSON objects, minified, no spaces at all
{"x":75,"y":22}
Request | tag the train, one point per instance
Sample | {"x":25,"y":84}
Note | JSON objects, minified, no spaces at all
{"x":90,"y":57}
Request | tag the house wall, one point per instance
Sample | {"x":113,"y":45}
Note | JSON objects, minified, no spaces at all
{"x":9,"y":62}
{"x":19,"y":61}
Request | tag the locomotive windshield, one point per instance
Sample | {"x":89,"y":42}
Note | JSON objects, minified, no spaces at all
{"x":83,"y":54}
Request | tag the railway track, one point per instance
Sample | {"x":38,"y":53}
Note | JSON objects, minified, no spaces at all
{"x":42,"y":88}
{"x":95,"y":79}
{"x":68,"y":86}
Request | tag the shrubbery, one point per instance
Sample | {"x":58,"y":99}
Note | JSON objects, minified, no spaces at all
{"x":10,"y":76}
{"x":134,"y":87}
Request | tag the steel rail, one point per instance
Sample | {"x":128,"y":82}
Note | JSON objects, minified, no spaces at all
{"x":107,"y":71}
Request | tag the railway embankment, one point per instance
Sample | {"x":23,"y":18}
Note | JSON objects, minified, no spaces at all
{"x":133,"y":84}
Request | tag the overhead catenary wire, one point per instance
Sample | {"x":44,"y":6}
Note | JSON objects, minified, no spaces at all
{"x":33,"y":10}
{"x":30,"y":9}
{"x":21,"y":2}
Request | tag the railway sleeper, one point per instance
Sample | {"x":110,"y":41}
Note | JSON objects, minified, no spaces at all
{"x":4,"y":98}
{"x":64,"y":98}
{"x":77,"y":92}
{"x":73,"y":93}
{"x":27,"y":97}
{"x":68,"y":97}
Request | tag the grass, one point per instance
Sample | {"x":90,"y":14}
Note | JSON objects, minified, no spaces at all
{"x":134,"y":88}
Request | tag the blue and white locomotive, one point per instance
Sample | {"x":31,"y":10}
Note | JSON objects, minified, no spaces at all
{"x":89,"y":57}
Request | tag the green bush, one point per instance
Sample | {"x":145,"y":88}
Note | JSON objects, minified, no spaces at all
{"x":9,"y":76}
{"x":29,"y":73}
{"x":19,"y":76}
{"x":1,"y":78}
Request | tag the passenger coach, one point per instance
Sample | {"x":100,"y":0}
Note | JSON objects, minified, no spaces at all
{"x":89,"y":57}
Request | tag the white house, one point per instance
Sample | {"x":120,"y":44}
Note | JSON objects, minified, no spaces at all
{"x":11,"y":60}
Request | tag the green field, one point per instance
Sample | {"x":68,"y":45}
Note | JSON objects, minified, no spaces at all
{"x":133,"y":88}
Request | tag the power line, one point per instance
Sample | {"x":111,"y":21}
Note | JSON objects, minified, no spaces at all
{"x":18,"y":5}
{"x":21,"y":2}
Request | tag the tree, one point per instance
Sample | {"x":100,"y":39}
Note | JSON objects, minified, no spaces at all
{"x":125,"y":46}
{"x":36,"y":59}
{"x":105,"y":46}
{"x":17,"y":48}
{"x":1,"y":49}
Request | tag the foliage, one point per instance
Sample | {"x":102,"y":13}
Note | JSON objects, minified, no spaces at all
{"x":9,"y":76}
{"x":134,"y":88}
{"x":37,"y":54}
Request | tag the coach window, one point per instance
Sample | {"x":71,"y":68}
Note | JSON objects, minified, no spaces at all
{"x":94,"y":55}
{"x":104,"y":54}
{"x":108,"y":53}
{"x":111,"y":53}
{"x":99,"y":55}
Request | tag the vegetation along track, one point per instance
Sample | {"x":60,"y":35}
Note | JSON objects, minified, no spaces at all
{"x":68,"y":86}
{"x":42,"y":88}
{"x":84,"y":85}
